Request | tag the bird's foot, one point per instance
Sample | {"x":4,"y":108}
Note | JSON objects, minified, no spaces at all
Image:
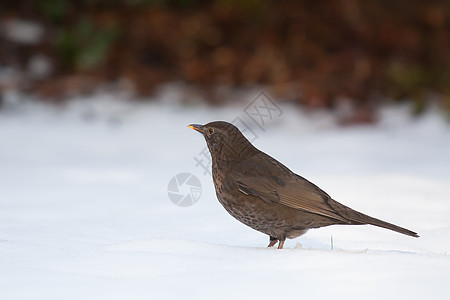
{"x":272,"y":242}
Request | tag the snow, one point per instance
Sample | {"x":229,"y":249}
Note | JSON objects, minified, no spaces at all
{"x":23,"y":31}
{"x":85,"y":213}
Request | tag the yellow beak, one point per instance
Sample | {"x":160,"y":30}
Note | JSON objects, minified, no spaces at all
{"x":196,"y":127}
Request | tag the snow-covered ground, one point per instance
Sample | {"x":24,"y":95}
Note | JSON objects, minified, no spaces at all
{"x":85,"y":213}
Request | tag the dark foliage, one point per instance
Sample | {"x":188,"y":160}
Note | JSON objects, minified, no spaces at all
{"x":311,"y":52}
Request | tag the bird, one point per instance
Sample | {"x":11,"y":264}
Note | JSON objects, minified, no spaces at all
{"x":265,"y":195}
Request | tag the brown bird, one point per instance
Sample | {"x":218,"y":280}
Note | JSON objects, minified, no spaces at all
{"x":262,"y":193}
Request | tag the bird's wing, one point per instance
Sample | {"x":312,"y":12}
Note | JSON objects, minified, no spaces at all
{"x":271,"y":181}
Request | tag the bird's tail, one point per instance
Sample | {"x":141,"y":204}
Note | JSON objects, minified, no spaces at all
{"x":359,"y":218}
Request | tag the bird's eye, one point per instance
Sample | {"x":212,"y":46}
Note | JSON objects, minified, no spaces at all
{"x":211,"y":130}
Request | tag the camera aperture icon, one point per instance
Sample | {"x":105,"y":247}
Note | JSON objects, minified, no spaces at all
{"x":184,"y":189}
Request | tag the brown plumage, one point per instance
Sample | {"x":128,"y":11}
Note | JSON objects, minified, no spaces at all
{"x":262,"y":193}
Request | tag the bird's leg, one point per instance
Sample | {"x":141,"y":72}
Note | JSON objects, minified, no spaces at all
{"x":272,"y":241}
{"x":280,"y":245}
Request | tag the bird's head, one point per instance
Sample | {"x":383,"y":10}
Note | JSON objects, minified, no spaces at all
{"x":224,"y":140}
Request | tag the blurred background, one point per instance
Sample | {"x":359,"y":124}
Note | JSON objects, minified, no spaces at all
{"x":95,"y":97}
{"x":314,"y":53}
